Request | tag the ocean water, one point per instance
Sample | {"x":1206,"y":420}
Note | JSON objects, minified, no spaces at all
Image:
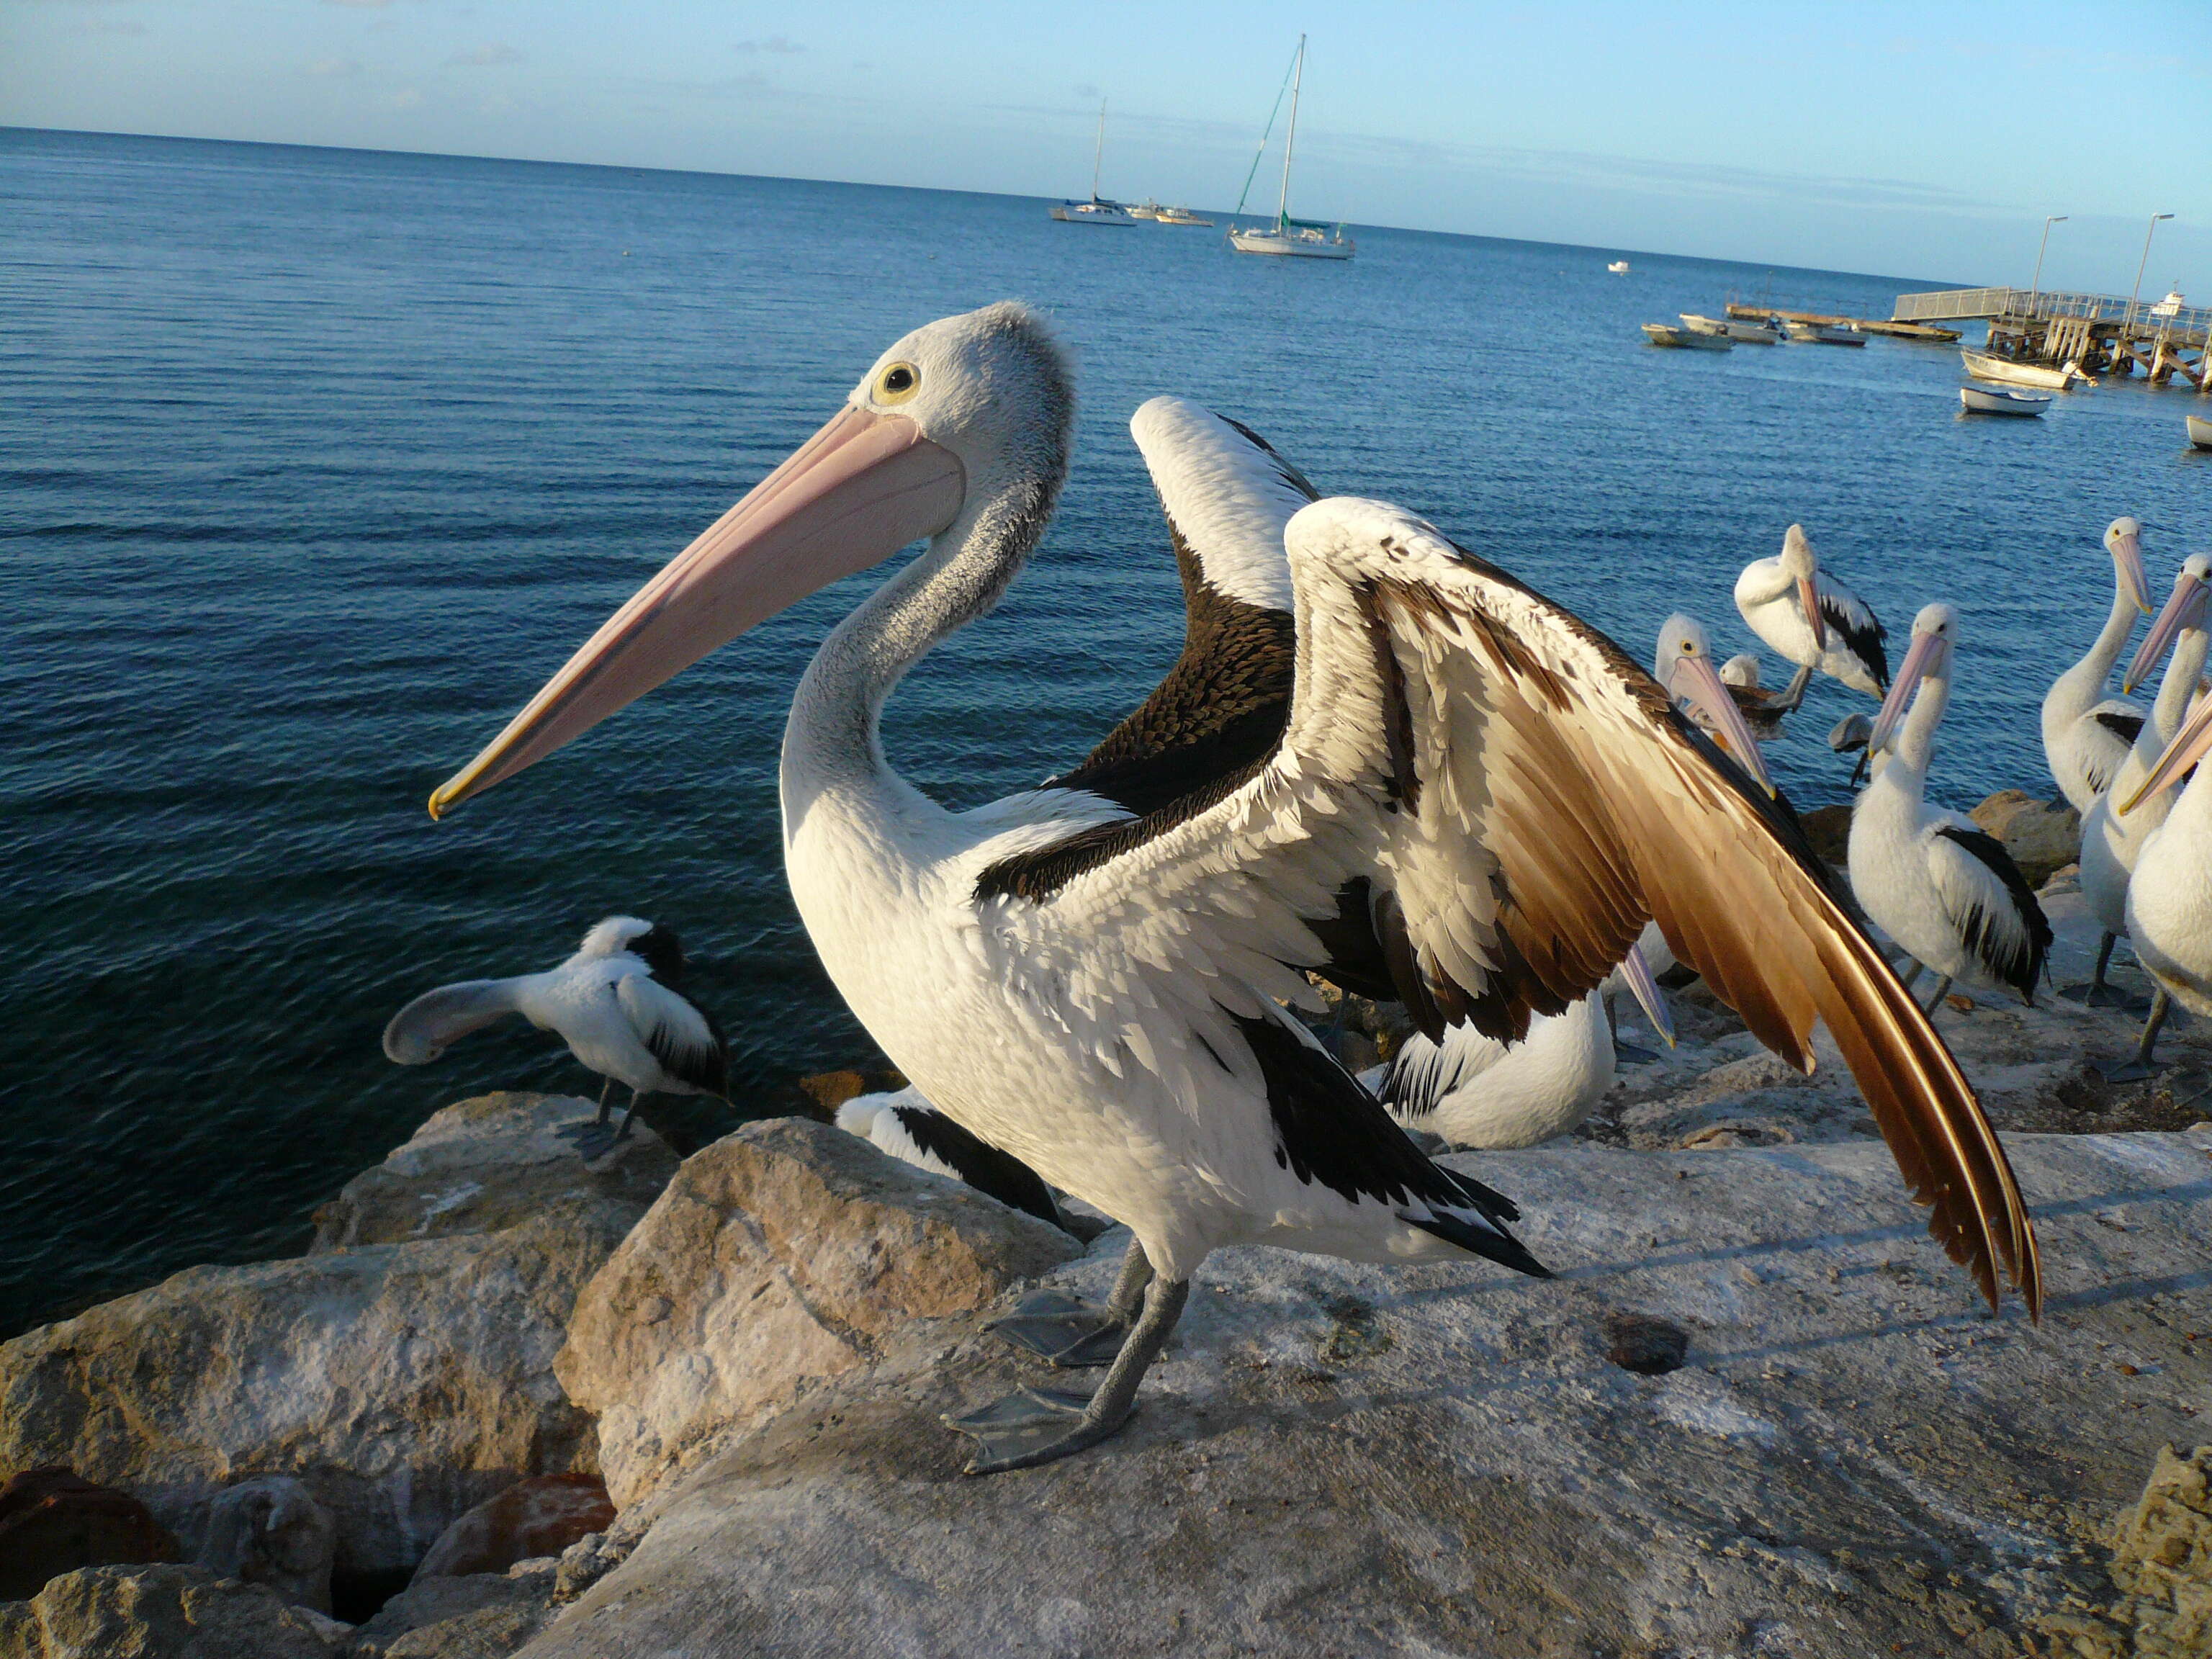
{"x":313,"y":464}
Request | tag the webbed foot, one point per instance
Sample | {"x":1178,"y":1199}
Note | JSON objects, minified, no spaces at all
{"x":1062,"y":1328}
{"x":2106,"y":996}
{"x":1031,"y":1427}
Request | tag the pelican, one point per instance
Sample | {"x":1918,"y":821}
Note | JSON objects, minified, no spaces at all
{"x":905,"y":1125}
{"x":1684,"y":664}
{"x":1812,"y":620}
{"x":1488,"y":787}
{"x":2110,"y":843}
{"x":2086,"y":735}
{"x":1762,"y":710}
{"x":1938,"y":884}
{"x":2170,"y":896}
{"x":1476,"y":1091}
{"x":618,"y":1003}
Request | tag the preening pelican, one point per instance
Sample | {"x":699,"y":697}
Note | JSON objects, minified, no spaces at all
{"x":618,"y":1003}
{"x":2086,"y":734}
{"x":2170,"y":895}
{"x":1477,"y":1092}
{"x":1812,"y":620}
{"x":1936,"y":882}
{"x":2111,"y":842}
{"x":1484,"y":789}
{"x":906,"y":1125}
{"x":1762,"y":710}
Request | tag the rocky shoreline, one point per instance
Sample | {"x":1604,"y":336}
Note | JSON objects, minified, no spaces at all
{"x":514,"y":1402}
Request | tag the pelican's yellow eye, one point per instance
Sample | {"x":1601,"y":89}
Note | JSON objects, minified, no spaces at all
{"x":897,"y":383}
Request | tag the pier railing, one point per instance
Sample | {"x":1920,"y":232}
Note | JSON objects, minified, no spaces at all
{"x":2034,"y":305}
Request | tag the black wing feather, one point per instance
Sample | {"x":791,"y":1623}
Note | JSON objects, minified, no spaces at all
{"x":1864,"y":641}
{"x":980,"y":1164}
{"x":2001,"y":956}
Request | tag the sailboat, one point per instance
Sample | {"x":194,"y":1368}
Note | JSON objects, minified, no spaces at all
{"x":1297,"y":238}
{"x":1097,"y":210}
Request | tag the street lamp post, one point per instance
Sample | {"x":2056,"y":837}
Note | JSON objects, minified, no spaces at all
{"x":2136,"y":292}
{"x":2036,"y":290}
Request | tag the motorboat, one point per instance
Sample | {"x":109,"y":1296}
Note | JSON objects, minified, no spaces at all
{"x":1666,"y":334}
{"x":1097,"y":210}
{"x":1744,"y":333}
{"x":1297,"y":238}
{"x":1181,"y":215}
{"x":1984,"y":367}
{"x":2200,"y":431}
{"x":1981,"y":400}
{"x":1147,"y":209}
{"x":1697,"y":324}
{"x":1619,"y":267}
{"x":1823,"y":334}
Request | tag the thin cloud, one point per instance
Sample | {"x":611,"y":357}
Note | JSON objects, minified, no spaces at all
{"x":334,"y":69}
{"x":485,"y":56}
{"x":776,"y":45}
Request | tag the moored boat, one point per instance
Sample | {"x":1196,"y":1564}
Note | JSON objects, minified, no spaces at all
{"x":1147,"y":209}
{"x":1743,"y":333}
{"x":2200,"y":431}
{"x":1666,"y":334}
{"x":1980,"y":400}
{"x":1097,"y":210}
{"x":1181,"y":215}
{"x":1982,"y":367}
{"x":1619,"y":267}
{"x":1297,"y":238}
{"x":1697,"y":324}
{"x":1823,"y":334}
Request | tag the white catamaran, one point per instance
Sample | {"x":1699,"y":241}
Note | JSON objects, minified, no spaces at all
{"x":1296,"y":238}
{"x":1097,"y":210}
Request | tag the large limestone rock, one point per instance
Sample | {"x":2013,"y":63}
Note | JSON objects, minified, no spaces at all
{"x":402,"y":1381}
{"x":270,"y":1530}
{"x":1758,"y":1413}
{"x":491,"y":1163}
{"x":163,"y":1612}
{"x":779,"y":1257}
{"x":2041,"y":837}
{"x":485,"y":1615}
{"x":532,"y":1519}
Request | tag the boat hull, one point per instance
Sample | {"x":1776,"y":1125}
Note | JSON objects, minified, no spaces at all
{"x":1288,"y":247}
{"x":2200,"y":431}
{"x":1820,"y":334}
{"x":1665,"y":334}
{"x":1976,"y":401}
{"x":1091,"y":215}
{"x":1982,"y":367}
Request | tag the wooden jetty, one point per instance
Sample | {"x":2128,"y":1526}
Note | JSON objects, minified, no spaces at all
{"x":1903,"y":331}
{"x":2100,"y":333}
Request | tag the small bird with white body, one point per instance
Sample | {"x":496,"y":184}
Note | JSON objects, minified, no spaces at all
{"x":618,"y":1003}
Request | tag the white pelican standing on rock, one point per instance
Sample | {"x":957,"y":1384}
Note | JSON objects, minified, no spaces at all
{"x":1938,"y":884}
{"x":2086,"y":734}
{"x":1812,"y":620}
{"x":1489,"y":786}
{"x":2170,"y":896}
{"x":2111,"y":842}
{"x":618,"y":1003}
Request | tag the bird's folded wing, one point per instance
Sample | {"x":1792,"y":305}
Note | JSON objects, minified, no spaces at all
{"x":677,"y":1032}
{"x":1989,"y":902}
{"x":1514,"y":796}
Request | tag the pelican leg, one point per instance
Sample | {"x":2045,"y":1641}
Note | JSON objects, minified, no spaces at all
{"x":1632,"y":1052}
{"x":606,"y":1088}
{"x":636,"y":1095}
{"x":1943,"y":989}
{"x":2141,"y":1066}
{"x":1071,"y":1331}
{"x":1906,"y":982}
{"x":1039,"y":1425}
{"x":2097,"y":993}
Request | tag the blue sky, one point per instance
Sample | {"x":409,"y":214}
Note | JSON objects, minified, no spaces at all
{"x":1925,"y":139}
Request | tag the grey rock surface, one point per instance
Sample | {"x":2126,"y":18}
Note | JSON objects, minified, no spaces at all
{"x":162,"y":1612}
{"x":401,"y":1383}
{"x":780,"y":1257}
{"x":490,"y":1162}
{"x":2041,"y":836}
{"x":269,"y":1529}
{"x":1758,"y":1413}
{"x":485,"y":1615}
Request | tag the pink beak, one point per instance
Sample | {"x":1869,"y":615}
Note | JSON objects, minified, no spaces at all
{"x":2188,"y":747}
{"x":1808,"y":595}
{"x":1695,"y":681}
{"x":856,"y":492}
{"x":1920,"y":662}
{"x":2184,"y":609}
{"x":2127,"y":558}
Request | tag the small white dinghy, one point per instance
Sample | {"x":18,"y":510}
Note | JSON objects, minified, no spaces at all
{"x":2200,"y":431}
{"x":1982,"y":400}
{"x":1666,"y":334}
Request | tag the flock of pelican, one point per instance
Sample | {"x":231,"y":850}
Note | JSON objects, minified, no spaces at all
{"x":1381,"y":761}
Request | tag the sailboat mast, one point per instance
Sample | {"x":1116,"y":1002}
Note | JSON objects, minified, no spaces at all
{"x":1291,"y":140}
{"x":1098,"y":157}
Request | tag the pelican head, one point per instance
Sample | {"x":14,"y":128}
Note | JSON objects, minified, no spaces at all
{"x":1741,"y":670}
{"x":965,"y":420}
{"x":1684,"y":667}
{"x":2124,"y":541}
{"x":2184,"y":609}
{"x":1934,"y":634}
{"x":1803,"y":565}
